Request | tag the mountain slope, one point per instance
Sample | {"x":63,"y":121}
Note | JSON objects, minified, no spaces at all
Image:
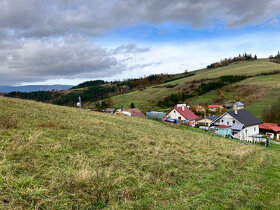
{"x":55,"y":157}
{"x":147,"y":99}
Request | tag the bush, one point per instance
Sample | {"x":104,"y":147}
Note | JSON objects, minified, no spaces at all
{"x":272,"y":114}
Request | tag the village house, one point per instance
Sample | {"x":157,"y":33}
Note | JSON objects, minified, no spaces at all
{"x":135,"y":112}
{"x":182,"y":113}
{"x":207,"y":121}
{"x":270,"y":129}
{"x":215,"y":108}
{"x":244,"y":125}
{"x":228,"y":106}
{"x":238,"y":105}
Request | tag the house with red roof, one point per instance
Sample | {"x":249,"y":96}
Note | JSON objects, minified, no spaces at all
{"x":182,"y":112}
{"x":270,"y":129}
{"x":135,"y":112}
{"x":215,"y":108}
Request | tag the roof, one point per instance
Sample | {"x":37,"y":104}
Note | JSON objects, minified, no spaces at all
{"x":270,"y":126}
{"x":229,"y":105}
{"x":238,"y":103}
{"x":213,"y":117}
{"x":214,"y":106}
{"x":136,"y":112}
{"x":110,"y":109}
{"x":237,"y":127}
{"x":223,"y":127}
{"x":245,"y":117}
{"x":187,"y":113}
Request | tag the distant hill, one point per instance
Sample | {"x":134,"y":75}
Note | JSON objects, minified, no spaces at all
{"x":56,"y":157}
{"x":31,"y":88}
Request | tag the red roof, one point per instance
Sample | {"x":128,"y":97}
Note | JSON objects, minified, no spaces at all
{"x":270,"y":126}
{"x":136,"y":112}
{"x":187,"y":113}
{"x":223,"y":126}
{"x":214,"y":106}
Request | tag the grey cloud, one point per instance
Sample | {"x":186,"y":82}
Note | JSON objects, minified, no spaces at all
{"x":130,"y":48}
{"x":94,"y":17}
{"x":37,"y":60}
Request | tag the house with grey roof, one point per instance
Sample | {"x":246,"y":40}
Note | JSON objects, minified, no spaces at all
{"x":244,"y":125}
{"x":238,"y":105}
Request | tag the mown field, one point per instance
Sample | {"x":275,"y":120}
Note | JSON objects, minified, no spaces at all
{"x":64,"y":158}
{"x":147,"y":99}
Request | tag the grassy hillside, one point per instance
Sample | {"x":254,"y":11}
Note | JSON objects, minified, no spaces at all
{"x":146,"y":99}
{"x":63,"y":158}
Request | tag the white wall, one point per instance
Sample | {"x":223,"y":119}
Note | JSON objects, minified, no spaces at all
{"x":174,"y":114}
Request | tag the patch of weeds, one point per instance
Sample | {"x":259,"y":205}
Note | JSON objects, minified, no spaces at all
{"x":50,"y":124}
{"x":7,"y":122}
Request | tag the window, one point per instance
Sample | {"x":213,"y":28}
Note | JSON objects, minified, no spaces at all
{"x":233,"y":121}
{"x":227,"y":123}
{"x":179,"y":118}
{"x":174,"y":111}
{"x":222,"y":120}
{"x":246,"y":131}
{"x":255,"y":129}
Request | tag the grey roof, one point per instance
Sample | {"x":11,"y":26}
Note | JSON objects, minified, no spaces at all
{"x":213,"y":117}
{"x":238,"y":103}
{"x":229,"y":105}
{"x":245,"y":117}
{"x":237,"y":127}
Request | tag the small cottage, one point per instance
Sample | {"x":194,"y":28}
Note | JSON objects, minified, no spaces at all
{"x":223,"y":130}
{"x":182,"y":113}
{"x":215,"y":108}
{"x":238,"y":105}
{"x":206,"y":121}
{"x":270,"y":129}
{"x":135,"y":112}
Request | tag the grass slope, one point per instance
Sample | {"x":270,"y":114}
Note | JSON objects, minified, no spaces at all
{"x":146,"y":99}
{"x":63,"y":158}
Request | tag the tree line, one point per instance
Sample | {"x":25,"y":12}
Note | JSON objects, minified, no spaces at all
{"x":227,"y":61}
{"x":275,"y":58}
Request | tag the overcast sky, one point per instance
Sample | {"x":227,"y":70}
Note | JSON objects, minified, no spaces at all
{"x":71,"y":41}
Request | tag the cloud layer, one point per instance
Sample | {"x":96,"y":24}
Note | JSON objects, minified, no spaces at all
{"x":52,"y":39}
{"x":93,"y":17}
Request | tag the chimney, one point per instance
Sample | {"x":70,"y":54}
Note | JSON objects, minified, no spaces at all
{"x":235,"y":109}
{"x":183,"y":108}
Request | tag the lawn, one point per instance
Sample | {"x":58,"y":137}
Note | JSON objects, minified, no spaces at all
{"x":55,"y":157}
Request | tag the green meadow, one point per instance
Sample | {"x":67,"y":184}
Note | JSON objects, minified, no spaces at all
{"x":55,"y":157}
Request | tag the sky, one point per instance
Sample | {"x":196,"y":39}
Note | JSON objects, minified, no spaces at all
{"x":47,"y":42}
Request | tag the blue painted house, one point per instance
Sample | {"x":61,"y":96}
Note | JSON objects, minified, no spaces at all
{"x":223,"y":130}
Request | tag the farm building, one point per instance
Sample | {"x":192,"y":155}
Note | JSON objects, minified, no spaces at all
{"x":182,"y":113}
{"x":215,"y":108}
{"x":270,"y":129}
{"x":155,"y":115}
{"x":244,"y":125}
{"x":135,"y":112}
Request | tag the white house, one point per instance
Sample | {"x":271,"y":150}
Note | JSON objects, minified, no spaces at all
{"x":182,"y":112}
{"x":244,"y":124}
